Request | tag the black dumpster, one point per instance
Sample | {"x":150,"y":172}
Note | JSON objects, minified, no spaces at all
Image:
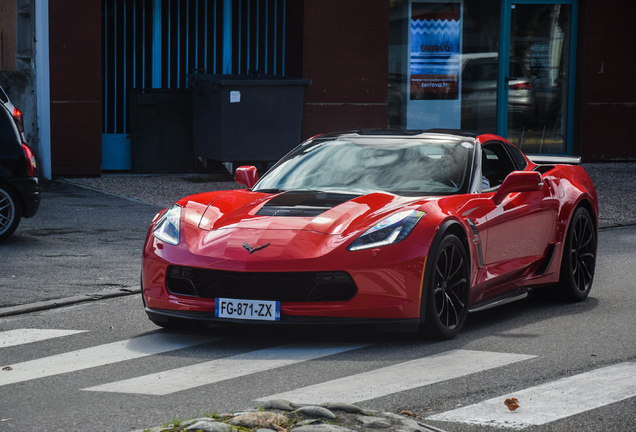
{"x":246,"y":117}
{"x":161,"y":131}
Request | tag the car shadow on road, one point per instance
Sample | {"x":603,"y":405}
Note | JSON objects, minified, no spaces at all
{"x":504,"y":321}
{"x":539,"y":306}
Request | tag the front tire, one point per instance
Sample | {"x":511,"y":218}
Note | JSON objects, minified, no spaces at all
{"x":447,"y":290}
{"x":579,"y":257}
{"x":10,"y":213}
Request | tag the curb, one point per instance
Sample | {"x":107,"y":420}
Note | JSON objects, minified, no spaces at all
{"x":52,"y":304}
{"x":607,"y":226}
{"x":62,"y":180}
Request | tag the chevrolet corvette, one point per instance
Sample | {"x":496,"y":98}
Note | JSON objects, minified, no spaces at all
{"x":403,"y":229}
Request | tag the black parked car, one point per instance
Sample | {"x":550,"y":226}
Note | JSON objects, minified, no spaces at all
{"x":19,"y":184}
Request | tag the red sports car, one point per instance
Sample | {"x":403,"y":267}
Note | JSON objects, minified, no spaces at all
{"x":412,"y":228}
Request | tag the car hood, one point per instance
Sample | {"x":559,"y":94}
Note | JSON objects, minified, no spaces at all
{"x":314,"y":211}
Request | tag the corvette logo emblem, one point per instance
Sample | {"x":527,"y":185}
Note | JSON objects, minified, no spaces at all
{"x":251,"y":250}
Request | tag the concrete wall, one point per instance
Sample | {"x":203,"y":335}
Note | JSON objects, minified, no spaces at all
{"x":19,"y":85}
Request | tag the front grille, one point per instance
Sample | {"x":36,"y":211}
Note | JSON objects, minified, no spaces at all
{"x":277,"y":286}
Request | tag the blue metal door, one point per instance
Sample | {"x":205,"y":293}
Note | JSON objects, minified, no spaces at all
{"x":156,"y":43}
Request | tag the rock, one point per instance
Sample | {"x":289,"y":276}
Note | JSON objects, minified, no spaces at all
{"x":316,"y":411}
{"x":309,"y":422}
{"x":211,"y":426}
{"x":375,"y":422}
{"x":322,"y":428}
{"x":193,"y":421}
{"x":259,"y":419}
{"x":265,"y":430}
{"x":279,"y":404}
{"x":341,"y":406}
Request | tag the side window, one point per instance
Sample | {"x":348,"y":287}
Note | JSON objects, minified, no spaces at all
{"x":495,"y":163}
{"x":518,"y":158}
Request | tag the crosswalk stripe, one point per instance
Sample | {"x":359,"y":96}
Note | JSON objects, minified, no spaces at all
{"x":27,"y":335}
{"x":101,"y":355}
{"x":188,"y":377}
{"x":551,"y":401}
{"x":400,"y":377}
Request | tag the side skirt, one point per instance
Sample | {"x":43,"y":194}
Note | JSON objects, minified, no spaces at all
{"x":499,"y":302}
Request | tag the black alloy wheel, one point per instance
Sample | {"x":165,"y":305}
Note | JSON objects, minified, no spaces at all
{"x":10,"y":213}
{"x":579,"y":256}
{"x":448,"y":290}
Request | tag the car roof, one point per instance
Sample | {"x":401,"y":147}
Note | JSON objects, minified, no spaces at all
{"x":451,"y":134}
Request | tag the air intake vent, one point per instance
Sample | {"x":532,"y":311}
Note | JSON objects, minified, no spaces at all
{"x":303,"y":203}
{"x":298,"y":211}
{"x":278,"y":286}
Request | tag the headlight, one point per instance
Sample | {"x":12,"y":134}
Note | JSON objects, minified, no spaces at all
{"x":391,"y":230}
{"x":169,"y":226}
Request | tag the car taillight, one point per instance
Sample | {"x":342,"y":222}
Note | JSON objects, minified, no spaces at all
{"x":32,"y":166}
{"x":19,"y":119}
{"x":521,"y":86}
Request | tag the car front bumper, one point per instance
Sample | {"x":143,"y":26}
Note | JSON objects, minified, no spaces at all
{"x":388,"y":282}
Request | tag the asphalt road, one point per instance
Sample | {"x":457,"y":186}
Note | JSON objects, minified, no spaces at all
{"x":80,"y":242}
{"x":536,"y":342}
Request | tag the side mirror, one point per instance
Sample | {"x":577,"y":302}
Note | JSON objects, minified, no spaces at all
{"x":246,"y":176}
{"x":518,"y":181}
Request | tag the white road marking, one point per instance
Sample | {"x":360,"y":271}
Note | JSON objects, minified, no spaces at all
{"x":188,"y":377}
{"x":551,"y":401}
{"x":400,"y":377}
{"x":100,"y":355}
{"x":24,"y":336}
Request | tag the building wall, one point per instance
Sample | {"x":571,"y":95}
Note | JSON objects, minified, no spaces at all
{"x":607,"y":87}
{"x":345,"y":54}
{"x":75,"y":30}
{"x":342,"y":47}
{"x":17,"y":77}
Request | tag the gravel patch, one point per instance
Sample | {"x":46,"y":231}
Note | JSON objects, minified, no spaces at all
{"x":614,"y":183}
{"x":162,"y":190}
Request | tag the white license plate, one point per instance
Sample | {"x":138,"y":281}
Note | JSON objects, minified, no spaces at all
{"x":247,"y":309}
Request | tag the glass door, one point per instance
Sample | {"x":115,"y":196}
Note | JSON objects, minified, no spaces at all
{"x":536,"y":75}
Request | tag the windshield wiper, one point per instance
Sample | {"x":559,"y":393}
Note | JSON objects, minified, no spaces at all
{"x":272,"y":190}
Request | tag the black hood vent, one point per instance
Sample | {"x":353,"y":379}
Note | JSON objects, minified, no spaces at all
{"x":303,"y":203}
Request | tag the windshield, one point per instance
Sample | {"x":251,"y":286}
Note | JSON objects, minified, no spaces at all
{"x":364,"y":165}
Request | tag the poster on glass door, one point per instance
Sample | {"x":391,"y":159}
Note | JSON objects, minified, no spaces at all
{"x":435,"y":50}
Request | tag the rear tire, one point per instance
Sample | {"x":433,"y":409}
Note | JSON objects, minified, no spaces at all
{"x":447,"y":290}
{"x":10,"y":213}
{"x":579,"y":257}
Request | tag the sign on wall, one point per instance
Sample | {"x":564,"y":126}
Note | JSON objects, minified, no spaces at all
{"x":434,"y":65}
{"x":435,"y":50}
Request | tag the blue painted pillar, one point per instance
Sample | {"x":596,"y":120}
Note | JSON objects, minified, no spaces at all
{"x":156,"y":44}
{"x":227,"y":36}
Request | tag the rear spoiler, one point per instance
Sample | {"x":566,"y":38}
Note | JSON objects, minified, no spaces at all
{"x":555,"y":160}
